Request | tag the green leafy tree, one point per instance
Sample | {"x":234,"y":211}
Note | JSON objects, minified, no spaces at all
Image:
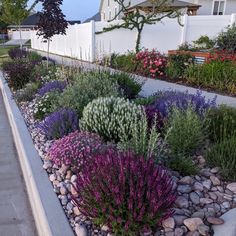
{"x":15,"y":12}
{"x":135,"y":18}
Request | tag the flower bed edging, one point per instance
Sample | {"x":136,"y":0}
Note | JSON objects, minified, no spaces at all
{"x":48,"y":214}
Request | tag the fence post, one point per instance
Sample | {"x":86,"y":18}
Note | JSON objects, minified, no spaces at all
{"x":92,"y":42}
{"x":233,"y":19}
{"x":184,"y":29}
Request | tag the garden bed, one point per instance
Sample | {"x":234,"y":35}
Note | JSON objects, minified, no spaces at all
{"x":81,"y":122}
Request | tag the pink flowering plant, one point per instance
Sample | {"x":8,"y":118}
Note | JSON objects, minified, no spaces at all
{"x":125,"y":192}
{"x":153,"y":63}
{"x":75,"y":149}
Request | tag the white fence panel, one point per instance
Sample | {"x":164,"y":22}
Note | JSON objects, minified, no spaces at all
{"x":82,"y":43}
{"x":77,"y":42}
{"x":205,"y":25}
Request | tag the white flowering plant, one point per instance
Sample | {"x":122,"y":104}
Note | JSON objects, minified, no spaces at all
{"x":43,"y":105}
{"x":110,"y":117}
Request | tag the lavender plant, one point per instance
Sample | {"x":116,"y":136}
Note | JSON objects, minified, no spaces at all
{"x":59,"y":124}
{"x":75,"y":149}
{"x":56,"y":85}
{"x":166,"y":101}
{"x":125,"y":192}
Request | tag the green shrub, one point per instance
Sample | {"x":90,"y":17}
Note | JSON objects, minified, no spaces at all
{"x":126,"y":62}
{"x":144,"y":101}
{"x":219,"y":75}
{"x":221,"y":123}
{"x":185,"y":166}
{"x":110,"y":117}
{"x":177,"y":65}
{"x":87,"y":87}
{"x":27,"y":93}
{"x":185,"y":132}
{"x":44,"y":105}
{"x":226,"y":40}
{"x":223,"y":155}
{"x":129,"y":85}
{"x":204,"y":42}
{"x":143,"y":141}
{"x":34,"y":56}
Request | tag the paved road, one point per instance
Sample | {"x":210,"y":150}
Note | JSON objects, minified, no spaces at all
{"x":15,"y":213}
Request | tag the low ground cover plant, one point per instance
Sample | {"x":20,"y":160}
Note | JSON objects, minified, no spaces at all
{"x":75,"y":149}
{"x":59,"y":124}
{"x":132,"y":198}
{"x":110,"y":117}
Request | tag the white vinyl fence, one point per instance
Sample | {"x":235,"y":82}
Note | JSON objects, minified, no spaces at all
{"x":82,"y":42}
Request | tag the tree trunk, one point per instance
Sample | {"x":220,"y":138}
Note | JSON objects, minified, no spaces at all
{"x":138,"y":40}
{"x":21,"y":44}
{"x":48,"y":53}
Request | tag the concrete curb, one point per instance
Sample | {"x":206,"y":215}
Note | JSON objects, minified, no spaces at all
{"x":229,"y":227}
{"x":49,"y":216}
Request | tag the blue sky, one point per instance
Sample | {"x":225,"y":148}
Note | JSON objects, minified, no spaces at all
{"x":78,"y":9}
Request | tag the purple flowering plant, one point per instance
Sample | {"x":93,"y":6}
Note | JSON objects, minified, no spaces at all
{"x":17,"y":53}
{"x":75,"y":149}
{"x":56,"y":85}
{"x":125,"y":192}
{"x":166,"y":101}
{"x":59,"y":123}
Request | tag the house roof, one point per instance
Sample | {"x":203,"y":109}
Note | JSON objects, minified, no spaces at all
{"x":96,"y":17}
{"x":33,"y":19}
{"x":174,"y":3}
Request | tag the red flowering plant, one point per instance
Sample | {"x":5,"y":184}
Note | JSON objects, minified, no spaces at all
{"x":153,"y":63}
{"x":125,"y":192}
{"x":222,"y":55}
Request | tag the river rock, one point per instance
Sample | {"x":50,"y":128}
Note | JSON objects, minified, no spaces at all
{"x":193,"y":223}
{"x":215,"y":221}
{"x":169,"y":223}
{"x":232,"y":187}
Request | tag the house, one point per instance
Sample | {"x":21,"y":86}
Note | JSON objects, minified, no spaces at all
{"x":215,"y":7}
{"x":96,"y":17}
{"x":27,"y":25}
{"x":110,"y":8}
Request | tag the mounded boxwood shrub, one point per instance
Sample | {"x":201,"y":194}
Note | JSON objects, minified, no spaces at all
{"x":221,"y":123}
{"x":110,"y":117}
{"x":125,"y":192}
{"x":59,"y":123}
{"x":75,"y":149}
{"x":87,"y":87}
{"x":223,"y":155}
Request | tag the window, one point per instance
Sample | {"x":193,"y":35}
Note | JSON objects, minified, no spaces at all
{"x":104,"y":16}
{"x":108,"y":3}
{"x":109,"y":15}
{"x":116,"y":12}
{"x":218,"y":7}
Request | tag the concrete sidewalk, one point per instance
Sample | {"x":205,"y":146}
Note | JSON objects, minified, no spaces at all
{"x":15,"y":212}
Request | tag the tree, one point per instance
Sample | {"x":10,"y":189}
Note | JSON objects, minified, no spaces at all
{"x":137,"y":17}
{"x":15,"y":12}
{"x":52,"y":21}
